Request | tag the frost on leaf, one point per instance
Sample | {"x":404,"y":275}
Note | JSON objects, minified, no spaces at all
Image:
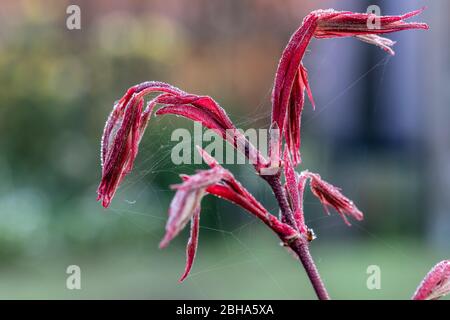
{"x":436,"y":283}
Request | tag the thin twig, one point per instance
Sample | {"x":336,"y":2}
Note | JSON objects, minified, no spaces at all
{"x":300,"y":246}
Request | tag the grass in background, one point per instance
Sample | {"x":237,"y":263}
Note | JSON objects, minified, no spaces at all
{"x":240,"y":265}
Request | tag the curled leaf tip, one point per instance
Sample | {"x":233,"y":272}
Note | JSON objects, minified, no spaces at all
{"x":436,"y":283}
{"x":331,"y":196}
{"x":192,"y":244}
{"x":291,"y":78}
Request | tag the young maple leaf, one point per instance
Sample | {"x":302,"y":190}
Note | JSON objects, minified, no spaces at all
{"x":219,"y":182}
{"x":128,"y":120}
{"x":291,"y":78}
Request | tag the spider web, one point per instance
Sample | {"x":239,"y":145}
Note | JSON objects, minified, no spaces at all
{"x":156,"y":160}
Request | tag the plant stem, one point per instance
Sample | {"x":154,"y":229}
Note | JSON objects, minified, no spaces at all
{"x":280,"y":195}
{"x":299,"y":246}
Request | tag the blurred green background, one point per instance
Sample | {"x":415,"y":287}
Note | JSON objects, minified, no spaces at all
{"x":380,"y":131}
